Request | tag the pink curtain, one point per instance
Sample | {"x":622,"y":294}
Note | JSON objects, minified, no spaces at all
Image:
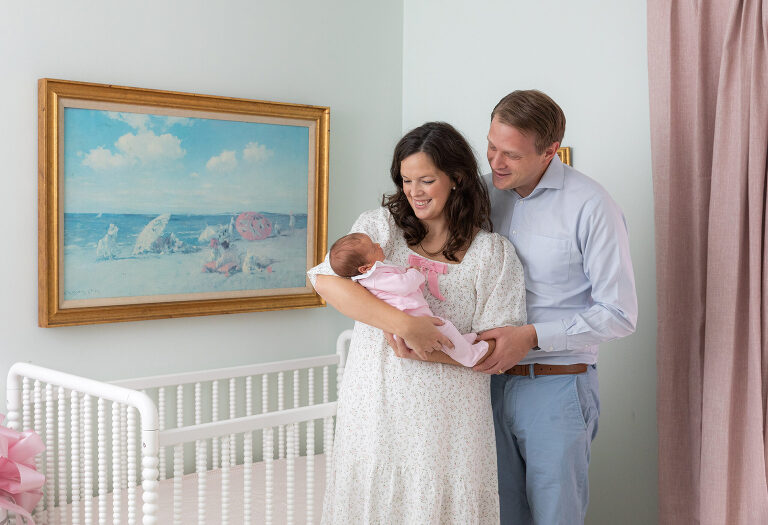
{"x":708,"y":76}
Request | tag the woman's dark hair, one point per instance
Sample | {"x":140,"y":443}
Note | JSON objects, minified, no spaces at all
{"x":468,"y":206}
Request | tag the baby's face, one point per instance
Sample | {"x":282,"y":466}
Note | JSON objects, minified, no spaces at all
{"x":373,"y":251}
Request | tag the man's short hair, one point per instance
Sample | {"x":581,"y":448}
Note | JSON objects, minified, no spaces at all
{"x":531,"y":111}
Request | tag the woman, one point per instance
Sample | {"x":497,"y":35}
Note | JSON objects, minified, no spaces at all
{"x":415,"y":440}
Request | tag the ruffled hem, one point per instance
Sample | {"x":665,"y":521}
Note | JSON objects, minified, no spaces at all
{"x":374,"y":493}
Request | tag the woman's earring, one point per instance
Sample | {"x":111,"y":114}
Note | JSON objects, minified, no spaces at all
{"x":453,"y":188}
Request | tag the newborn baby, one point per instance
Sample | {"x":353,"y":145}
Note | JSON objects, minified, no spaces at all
{"x":357,"y":256}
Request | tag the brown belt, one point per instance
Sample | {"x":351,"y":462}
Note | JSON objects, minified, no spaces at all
{"x":546,"y":370}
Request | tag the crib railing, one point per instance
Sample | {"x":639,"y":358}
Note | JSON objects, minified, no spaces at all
{"x":213,"y":417}
{"x":25,"y":401}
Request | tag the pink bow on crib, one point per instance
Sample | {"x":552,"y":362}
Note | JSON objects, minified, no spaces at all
{"x":20,"y":482}
{"x":429,"y":269}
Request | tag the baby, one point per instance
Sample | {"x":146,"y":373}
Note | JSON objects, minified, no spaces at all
{"x":357,"y":256}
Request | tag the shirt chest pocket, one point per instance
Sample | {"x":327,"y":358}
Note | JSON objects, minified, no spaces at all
{"x":545,"y":259}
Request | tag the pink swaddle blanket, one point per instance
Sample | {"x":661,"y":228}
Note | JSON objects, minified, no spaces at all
{"x":403,"y":288}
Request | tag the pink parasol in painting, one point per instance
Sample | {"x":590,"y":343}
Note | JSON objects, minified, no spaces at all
{"x":253,"y":226}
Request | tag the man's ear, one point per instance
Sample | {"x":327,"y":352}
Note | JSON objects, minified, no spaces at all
{"x":364,"y":268}
{"x":551,"y":150}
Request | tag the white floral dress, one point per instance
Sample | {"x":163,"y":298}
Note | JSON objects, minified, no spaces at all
{"x":415,"y":441}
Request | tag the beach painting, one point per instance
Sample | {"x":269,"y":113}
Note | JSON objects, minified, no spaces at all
{"x":157,"y":205}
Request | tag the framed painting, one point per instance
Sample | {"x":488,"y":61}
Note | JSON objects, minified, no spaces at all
{"x":156,"y":204}
{"x":565,"y":155}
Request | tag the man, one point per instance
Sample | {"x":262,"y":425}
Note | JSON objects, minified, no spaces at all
{"x":572,"y":240}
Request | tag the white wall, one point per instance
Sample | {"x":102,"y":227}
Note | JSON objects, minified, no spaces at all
{"x":338,"y":53}
{"x":459,"y":59}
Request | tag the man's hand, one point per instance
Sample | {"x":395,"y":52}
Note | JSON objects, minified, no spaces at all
{"x":512,"y":344}
{"x":419,"y":338}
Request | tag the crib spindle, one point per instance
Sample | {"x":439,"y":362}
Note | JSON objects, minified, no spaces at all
{"x":75,"y":455}
{"x":102,"y":460}
{"x":123,"y":448}
{"x":296,"y":391}
{"x":180,"y":406}
{"x":178,"y":459}
{"x":87,"y":461}
{"x":201,"y":462}
{"x":38,"y":426}
{"x":161,"y":427}
{"x":26,"y":403}
{"x":280,"y":408}
{"x":85,"y":499}
{"x":215,"y":457}
{"x":131,"y":463}
{"x":225,"y":455}
{"x":310,"y":447}
{"x":232,"y":415}
{"x":116,"y":466}
{"x":327,"y":427}
{"x":198,"y":404}
{"x":267,"y":453}
{"x":50,"y":422}
{"x":149,"y":475}
{"x":247,"y":454}
{"x":61,"y":434}
{"x":289,"y":474}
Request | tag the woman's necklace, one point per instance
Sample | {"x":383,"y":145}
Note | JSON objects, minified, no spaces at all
{"x":431,"y":254}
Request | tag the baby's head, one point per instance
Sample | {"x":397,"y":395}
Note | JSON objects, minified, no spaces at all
{"x":354,"y":254}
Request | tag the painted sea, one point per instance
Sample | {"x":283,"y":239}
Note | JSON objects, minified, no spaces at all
{"x":150,"y":255}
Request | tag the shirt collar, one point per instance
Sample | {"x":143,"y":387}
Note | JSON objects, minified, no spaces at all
{"x":552,"y":179}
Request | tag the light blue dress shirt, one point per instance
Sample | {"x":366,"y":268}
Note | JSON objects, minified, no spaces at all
{"x":572,"y":240}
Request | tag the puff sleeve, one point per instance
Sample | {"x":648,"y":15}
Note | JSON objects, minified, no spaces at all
{"x":378,"y":224}
{"x":500,"y":287}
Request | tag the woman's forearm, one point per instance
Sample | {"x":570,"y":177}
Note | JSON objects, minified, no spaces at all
{"x":357,"y":303}
{"x":438,"y":356}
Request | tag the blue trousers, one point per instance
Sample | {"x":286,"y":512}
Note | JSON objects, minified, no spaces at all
{"x":544,"y":429}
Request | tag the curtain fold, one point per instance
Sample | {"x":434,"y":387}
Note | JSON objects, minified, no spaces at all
{"x":708,"y":80}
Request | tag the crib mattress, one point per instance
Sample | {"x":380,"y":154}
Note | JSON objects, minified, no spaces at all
{"x":236,"y":496}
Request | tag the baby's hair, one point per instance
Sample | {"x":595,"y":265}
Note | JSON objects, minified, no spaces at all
{"x":346,"y":257}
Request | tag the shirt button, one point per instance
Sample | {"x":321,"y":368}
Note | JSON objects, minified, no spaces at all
{"x":514,"y":232}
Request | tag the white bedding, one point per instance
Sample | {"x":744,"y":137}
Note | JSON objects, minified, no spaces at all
{"x":236,"y":496}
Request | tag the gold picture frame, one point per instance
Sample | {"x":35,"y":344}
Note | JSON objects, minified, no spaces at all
{"x":565,"y":155}
{"x":157,"y":204}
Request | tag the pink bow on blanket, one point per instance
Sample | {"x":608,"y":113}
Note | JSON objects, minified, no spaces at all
{"x":429,"y":269}
{"x":20,"y":482}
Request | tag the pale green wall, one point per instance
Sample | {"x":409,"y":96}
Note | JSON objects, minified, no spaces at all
{"x":339,"y":53}
{"x":459,"y":59}
{"x":382,"y":68}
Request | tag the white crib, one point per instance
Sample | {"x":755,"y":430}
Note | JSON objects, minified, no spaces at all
{"x":94,"y":457}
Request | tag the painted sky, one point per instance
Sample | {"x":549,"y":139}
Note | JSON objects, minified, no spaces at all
{"x":139,"y":163}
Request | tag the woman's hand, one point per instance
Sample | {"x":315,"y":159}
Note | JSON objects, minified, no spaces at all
{"x":419,"y":338}
{"x":422,"y":336}
{"x":438,"y":356}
